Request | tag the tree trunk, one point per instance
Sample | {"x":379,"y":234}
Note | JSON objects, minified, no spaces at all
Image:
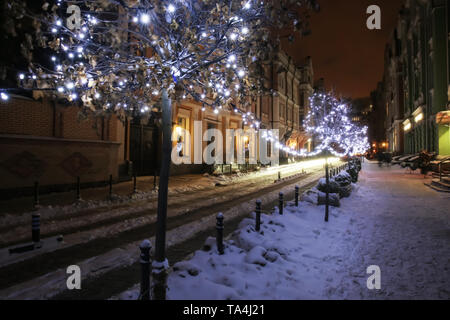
{"x":160,"y":240}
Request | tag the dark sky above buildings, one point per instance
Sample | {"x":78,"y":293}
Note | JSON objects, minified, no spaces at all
{"x":345,"y":53}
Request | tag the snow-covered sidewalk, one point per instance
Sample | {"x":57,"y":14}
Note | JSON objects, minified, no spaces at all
{"x":391,"y":220}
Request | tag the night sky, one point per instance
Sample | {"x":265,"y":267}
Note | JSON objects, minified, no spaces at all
{"x":348,"y":55}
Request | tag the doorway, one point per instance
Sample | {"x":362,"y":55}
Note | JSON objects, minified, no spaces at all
{"x":144,"y":148}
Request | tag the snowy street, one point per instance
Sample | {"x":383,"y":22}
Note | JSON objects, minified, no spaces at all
{"x":103,"y":237}
{"x":391,"y":220}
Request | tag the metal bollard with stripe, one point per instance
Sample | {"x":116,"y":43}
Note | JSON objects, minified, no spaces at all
{"x":145,"y":248}
{"x":258,"y":215}
{"x":36,"y":227}
{"x":281,"y":202}
{"x":219,"y":229}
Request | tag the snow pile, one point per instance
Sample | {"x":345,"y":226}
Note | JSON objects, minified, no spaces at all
{"x":285,"y":260}
{"x":292,"y":257}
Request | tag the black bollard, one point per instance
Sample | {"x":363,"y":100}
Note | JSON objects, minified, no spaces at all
{"x":154,"y":181}
{"x":279,"y":175}
{"x":110,"y":185}
{"x":78,"y":189}
{"x":134,"y":183}
{"x":281,"y":202}
{"x":145,"y":248}
{"x":258,"y":215}
{"x":296,"y":195}
{"x":36,"y":196}
{"x":219,"y":228}
{"x":36,"y":227}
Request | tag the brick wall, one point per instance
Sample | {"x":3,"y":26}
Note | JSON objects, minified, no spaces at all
{"x":41,"y":140}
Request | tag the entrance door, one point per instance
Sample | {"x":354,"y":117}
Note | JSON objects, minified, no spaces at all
{"x":144,"y":149}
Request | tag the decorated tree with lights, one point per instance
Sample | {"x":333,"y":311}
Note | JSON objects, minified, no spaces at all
{"x":136,"y":57}
{"x":327,"y":122}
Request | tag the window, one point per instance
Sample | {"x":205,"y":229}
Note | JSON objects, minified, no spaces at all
{"x":282,"y":111}
{"x":182,"y":130}
{"x":302,"y":99}
{"x":281,"y":81}
{"x":213,"y":138}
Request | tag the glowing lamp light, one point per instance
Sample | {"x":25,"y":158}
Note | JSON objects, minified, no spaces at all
{"x":407,"y":127}
{"x":418,"y":118}
{"x":4,"y":96}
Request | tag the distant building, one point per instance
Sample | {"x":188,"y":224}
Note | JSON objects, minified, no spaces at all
{"x":360,"y":111}
{"x":287,"y":107}
{"x":416,"y":80}
{"x":377,"y":120}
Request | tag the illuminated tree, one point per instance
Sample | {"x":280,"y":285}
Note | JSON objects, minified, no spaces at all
{"x":327,"y":122}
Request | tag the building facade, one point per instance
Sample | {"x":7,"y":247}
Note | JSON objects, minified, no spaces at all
{"x":417,"y":79}
{"x":44,"y":140}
